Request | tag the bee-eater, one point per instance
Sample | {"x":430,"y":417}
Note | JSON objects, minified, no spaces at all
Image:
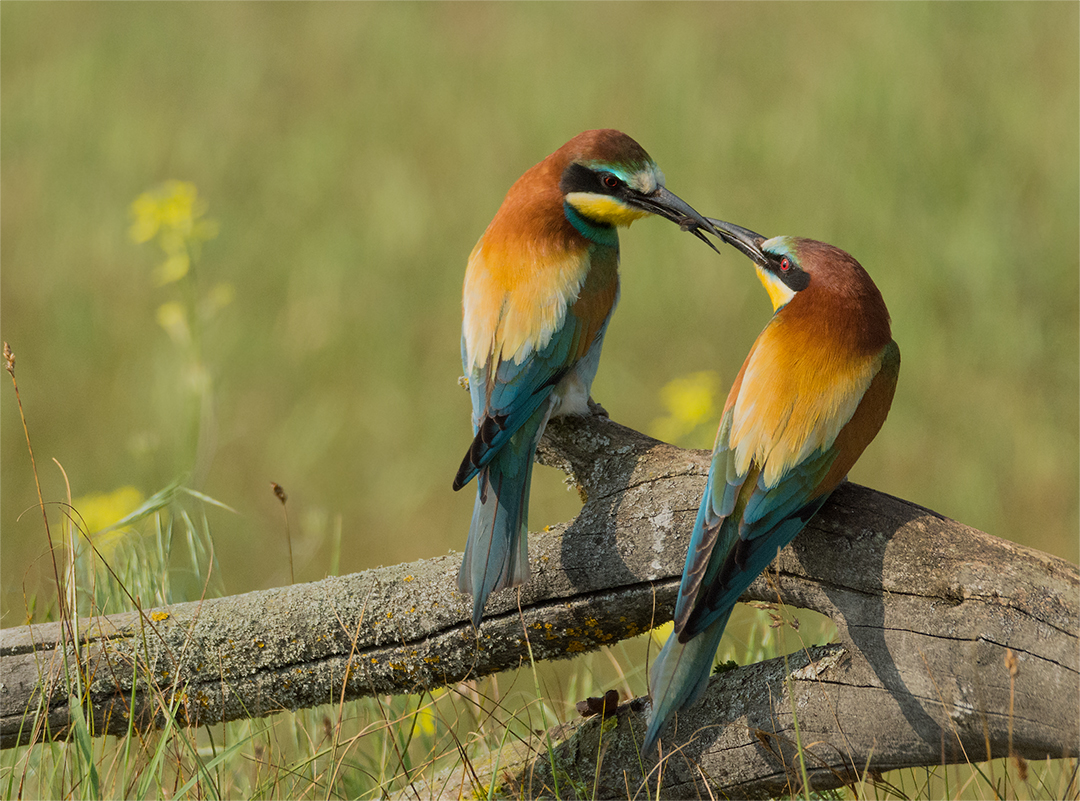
{"x":540,"y":288}
{"x":811,"y":395}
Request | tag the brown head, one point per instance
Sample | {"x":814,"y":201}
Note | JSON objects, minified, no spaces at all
{"x":598,"y":181}
{"x":819,"y":289}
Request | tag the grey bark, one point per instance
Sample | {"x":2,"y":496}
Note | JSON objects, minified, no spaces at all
{"x":927,"y":611}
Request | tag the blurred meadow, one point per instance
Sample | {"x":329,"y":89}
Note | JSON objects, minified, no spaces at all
{"x":343,"y":160}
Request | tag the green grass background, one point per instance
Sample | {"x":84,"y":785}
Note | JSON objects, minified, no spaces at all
{"x":352,"y":155}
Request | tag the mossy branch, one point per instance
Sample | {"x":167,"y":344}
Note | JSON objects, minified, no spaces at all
{"x":928,"y":611}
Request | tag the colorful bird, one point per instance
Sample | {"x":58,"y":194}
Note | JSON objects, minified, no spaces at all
{"x":540,"y":288}
{"x":811,"y":395}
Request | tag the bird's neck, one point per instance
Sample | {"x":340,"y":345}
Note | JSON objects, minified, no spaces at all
{"x":841,"y":322}
{"x":600,"y":233}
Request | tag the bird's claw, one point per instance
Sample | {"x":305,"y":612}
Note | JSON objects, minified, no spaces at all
{"x":597,"y":409}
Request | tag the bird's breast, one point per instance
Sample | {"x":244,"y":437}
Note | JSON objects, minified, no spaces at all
{"x":516,"y":299}
{"x":792,"y":398}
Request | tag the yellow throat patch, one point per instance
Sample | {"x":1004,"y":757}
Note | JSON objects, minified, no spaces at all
{"x":779,"y":292}
{"x":604,"y":208}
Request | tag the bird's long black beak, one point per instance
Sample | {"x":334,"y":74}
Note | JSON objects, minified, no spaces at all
{"x":738,"y":237}
{"x":666,"y":204}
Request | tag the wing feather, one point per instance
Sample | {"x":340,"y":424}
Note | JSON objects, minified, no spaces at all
{"x":515,"y":360}
{"x":757,"y":509}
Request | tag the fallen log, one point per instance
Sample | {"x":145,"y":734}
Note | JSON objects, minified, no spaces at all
{"x":928,"y":612}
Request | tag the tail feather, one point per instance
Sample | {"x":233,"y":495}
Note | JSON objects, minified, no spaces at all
{"x":497,"y":552}
{"x":679,"y":676}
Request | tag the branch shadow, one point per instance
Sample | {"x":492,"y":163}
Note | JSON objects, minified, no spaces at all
{"x":841,"y":531}
{"x":601,"y":456}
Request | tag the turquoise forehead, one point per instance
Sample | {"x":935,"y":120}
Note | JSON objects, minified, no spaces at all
{"x":781,"y":246}
{"x":644,"y":176}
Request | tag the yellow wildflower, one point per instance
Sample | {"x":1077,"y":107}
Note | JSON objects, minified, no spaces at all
{"x":146,"y":220}
{"x":173,"y":318}
{"x":690,"y":400}
{"x":174,"y":268}
{"x":424,"y":721}
{"x":221,"y":295}
{"x":173,"y":214}
{"x":101,"y":510}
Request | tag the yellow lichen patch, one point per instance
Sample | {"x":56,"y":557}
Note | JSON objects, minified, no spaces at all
{"x":408,"y":578}
{"x":157,"y":617}
{"x":546,"y":628}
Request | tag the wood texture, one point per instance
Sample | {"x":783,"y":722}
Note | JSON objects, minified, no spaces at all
{"x":927,"y":610}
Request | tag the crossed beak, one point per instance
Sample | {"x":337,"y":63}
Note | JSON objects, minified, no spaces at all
{"x":738,"y":237}
{"x":670,"y":206}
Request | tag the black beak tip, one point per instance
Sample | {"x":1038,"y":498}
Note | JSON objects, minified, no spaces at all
{"x":697,"y":232}
{"x":694,"y":227}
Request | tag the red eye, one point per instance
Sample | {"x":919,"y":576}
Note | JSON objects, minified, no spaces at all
{"x":785,"y":264}
{"x":610,"y":181}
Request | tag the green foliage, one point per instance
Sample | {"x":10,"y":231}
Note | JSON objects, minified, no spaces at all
{"x":351,"y":156}
{"x":307,"y":332}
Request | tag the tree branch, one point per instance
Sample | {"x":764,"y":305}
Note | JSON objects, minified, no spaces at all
{"x":927,"y":610}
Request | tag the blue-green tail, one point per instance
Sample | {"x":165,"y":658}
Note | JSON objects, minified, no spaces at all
{"x":679,"y":676}
{"x":497,"y":552}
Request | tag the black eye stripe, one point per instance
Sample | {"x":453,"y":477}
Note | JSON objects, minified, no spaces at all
{"x":789,"y":272}
{"x":579,"y":178}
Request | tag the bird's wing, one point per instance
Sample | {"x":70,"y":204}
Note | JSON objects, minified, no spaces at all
{"x":526,"y":356}
{"x":745,"y":518}
{"x":507,"y":394}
